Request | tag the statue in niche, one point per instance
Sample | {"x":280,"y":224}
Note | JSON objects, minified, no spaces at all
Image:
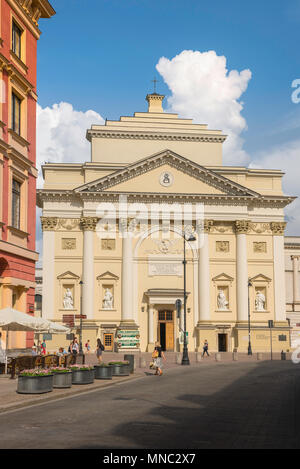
{"x":68,"y":299}
{"x":260,"y":301}
{"x":108,"y":300}
{"x":222,"y":302}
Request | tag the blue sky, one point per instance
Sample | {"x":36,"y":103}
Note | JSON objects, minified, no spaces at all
{"x":101,"y":55}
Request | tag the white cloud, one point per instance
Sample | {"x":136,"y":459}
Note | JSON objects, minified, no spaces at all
{"x":61,"y":134}
{"x":202,"y":88}
{"x":287,"y":158}
{"x":61,"y":139}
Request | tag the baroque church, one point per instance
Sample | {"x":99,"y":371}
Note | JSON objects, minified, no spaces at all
{"x":113,"y":253}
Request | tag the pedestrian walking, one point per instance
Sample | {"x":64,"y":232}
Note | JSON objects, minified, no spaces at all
{"x":205,"y":348}
{"x":157,"y":356}
{"x":88,"y":346}
{"x":100,"y":348}
{"x":43,"y":348}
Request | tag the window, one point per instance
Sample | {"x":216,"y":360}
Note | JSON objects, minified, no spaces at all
{"x":16,"y":39}
{"x":16,"y":192}
{"x":16,"y":114}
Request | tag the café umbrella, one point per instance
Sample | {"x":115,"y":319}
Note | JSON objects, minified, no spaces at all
{"x":12,"y":320}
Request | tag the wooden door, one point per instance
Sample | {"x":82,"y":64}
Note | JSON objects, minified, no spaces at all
{"x":109,"y":342}
{"x":169,"y":336}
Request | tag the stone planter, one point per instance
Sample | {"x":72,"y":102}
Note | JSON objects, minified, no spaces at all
{"x":35,"y":384}
{"x":120,"y":370}
{"x":62,"y":380}
{"x":103,"y":372}
{"x":83,"y":376}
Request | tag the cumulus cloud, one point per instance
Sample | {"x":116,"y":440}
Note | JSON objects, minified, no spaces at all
{"x":61,"y":139}
{"x":287,"y":158}
{"x":204,"y":89}
{"x":61,"y":134}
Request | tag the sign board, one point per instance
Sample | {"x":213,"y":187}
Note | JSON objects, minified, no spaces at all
{"x":128,"y":339}
{"x":70,"y":336}
{"x":282,"y":338}
{"x":181,"y":338}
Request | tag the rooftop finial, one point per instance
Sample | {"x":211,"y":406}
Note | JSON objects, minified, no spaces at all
{"x":154,"y":84}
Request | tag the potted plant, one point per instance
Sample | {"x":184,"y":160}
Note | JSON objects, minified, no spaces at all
{"x":120,"y":368}
{"x":62,"y":377}
{"x":103,"y":371}
{"x":82,"y":374}
{"x":35,"y":381}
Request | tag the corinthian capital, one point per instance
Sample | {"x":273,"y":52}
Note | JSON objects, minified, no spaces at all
{"x":242,"y":226}
{"x":88,"y":223}
{"x":204,"y":226}
{"x":48,"y":223}
{"x":278,"y":228}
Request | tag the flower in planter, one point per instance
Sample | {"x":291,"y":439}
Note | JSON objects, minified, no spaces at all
{"x":118,"y":363}
{"x":81,"y":367}
{"x":59,"y":369}
{"x":36,"y":372}
{"x":103,"y":365}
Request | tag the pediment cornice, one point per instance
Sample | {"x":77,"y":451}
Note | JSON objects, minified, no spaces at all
{"x":174,"y":160}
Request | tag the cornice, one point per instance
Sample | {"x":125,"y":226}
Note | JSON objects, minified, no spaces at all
{"x":21,"y":140}
{"x":142,"y":135}
{"x":148,"y":197}
{"x":15,"y":74}
{"x":31,"y":11}
{"x":178,"y":162}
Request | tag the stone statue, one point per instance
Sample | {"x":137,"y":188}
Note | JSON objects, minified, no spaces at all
{"x":260,"y":301}
{"x":222,"y":302}
{"x":68,"y":300}
{"x":108,"y":300}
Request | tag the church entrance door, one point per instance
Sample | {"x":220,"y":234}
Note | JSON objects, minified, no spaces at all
{"x":222,"y":342}
{"x":166,"y":330}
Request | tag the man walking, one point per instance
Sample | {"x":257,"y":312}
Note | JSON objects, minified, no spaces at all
{"x":205,"y":348}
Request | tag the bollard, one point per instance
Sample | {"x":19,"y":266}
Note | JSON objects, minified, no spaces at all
{"x":198,"y":357}
{"x":178,"y":358}
{"x":218,"y":357}
{"x":283,"y":355}
{"x":259,"y":356}
{"x":235,"y":356}
{"x":143,"y":363}
{"x":132,"y":362}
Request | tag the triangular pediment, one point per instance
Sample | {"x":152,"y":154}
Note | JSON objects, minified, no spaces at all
{"x":223,"y":277}
{"x":107,"y":276}
{"x":68,"y":275}
{"x":167,"y":172}
{"x":261,"y":278}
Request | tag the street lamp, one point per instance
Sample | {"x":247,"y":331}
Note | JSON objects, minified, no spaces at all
{"x":249,"y":326}
{"x":185,"y":355}
{"x":80,"y":326}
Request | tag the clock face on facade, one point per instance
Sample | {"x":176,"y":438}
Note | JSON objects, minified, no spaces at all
{"x":166,"y":179}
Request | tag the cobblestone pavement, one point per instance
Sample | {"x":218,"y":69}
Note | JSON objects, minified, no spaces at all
{"x":224,"y":405}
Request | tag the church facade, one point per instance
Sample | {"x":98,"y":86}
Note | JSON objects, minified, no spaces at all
{"x":116,"y":230}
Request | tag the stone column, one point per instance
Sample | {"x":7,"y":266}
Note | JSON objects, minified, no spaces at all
{"x":49,"y":294}
{"x":127,"y":275}
{"x":279,"y":270}
{"x":88,"y":225}
{"x":204,"y":274}
{"x":150,"y":326}
{"x":295,"y":260}
{"x":242,"y":228}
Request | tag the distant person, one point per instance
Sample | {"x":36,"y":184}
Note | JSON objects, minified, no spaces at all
{"x":43,"y":348}
{"x":74,"y":347}
{"x":34,"y":351}
{"x":88,"y":346}
{"x":99,"y":349}
{"x":61,"y":353}
{"x":205,"y":348}
{"x":157,"y":356}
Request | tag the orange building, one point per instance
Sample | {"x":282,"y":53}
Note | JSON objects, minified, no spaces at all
{"x":19,"y":32}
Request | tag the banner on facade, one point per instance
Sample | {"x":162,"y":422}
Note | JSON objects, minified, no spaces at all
{"x":128,"y":339}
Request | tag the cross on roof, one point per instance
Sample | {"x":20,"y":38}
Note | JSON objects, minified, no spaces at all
{"x":154,"y":82}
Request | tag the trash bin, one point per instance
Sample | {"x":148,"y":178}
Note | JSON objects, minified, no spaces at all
{"x":283,"y":355}
{"x":130,"y":359}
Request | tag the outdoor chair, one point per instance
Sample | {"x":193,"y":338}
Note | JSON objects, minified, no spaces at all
{"x":20,"y":364}
{"x":50,"y":360}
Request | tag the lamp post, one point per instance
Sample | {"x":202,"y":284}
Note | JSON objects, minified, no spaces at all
{"x":185,"y":355}
{"x":80,"y":326}
{"x":249,"y":325}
